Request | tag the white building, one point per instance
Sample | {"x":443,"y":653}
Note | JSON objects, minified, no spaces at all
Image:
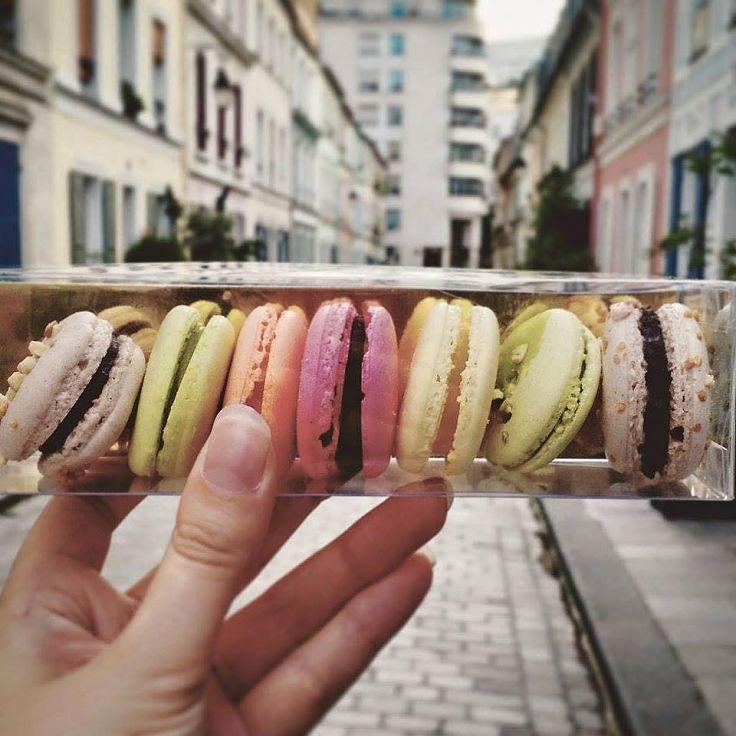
{"x":703,"y":104}
{"x":416,"y":75}
{"x":96,"y":125}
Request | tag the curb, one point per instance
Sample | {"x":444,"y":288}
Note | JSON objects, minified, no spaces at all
{"x":646,"y":687}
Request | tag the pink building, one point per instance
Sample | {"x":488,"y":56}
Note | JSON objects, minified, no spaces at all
{"x":632,"y":129}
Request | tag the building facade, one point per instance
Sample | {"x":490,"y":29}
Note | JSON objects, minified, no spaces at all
{"x":415,"y":74}
{"x":703,"y":108}
{"x":108,"y":107}
{"x":633,"y":113}
{"x":101,"y":136}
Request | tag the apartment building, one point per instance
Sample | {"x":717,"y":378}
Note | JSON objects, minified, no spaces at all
{"x":703,"y":104}
{"x":633,"y":113}
{"x":97,"y":131}
{"x":416,"y":76}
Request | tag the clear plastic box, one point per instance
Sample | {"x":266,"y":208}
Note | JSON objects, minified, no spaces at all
{"x":31,"y":298}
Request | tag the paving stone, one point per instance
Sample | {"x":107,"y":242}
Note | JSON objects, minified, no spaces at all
{"x":497,"y":715}
{"x":352,"y":718}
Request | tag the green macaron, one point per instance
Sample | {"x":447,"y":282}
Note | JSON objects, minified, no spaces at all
{"x":181,"y":392}
{"x":549,"y":372}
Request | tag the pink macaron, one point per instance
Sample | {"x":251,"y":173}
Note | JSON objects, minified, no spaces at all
{"x":348,"y":391}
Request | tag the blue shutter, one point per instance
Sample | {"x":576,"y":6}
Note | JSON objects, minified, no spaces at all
{"x":9,"y":204}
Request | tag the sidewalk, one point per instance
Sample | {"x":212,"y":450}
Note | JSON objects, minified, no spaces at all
{"x":490,"y":652}
{"x":636,"y":572}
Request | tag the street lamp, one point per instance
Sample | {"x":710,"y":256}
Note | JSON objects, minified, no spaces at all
{"x":223,"y":90}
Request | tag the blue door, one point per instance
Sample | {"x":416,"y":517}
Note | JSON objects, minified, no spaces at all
{"x":9,"y":205}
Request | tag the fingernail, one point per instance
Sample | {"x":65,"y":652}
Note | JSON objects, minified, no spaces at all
{"x":429,"y":554}
{"x":237,"y":451}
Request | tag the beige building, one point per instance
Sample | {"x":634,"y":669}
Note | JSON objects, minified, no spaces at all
{"x":108,"y":141}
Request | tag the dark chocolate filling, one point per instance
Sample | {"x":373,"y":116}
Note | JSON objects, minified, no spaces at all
{"x":349,"y":452}
{"x":130,"y":328}
{"x":654,"y":448}
{"x":90,"y":394}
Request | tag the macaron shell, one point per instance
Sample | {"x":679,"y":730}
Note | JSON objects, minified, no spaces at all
{"x":281,"y":388}
{"x":624,"y":387}
{"x":410,"y":337}
{"x":478,"y":381}
{"x":105,"y":420}
{"x":193,"y":411}
{"x":427,"y":385}
{"x":380,"y":387}
{"x":687,"y":357}
{"x":321,"y":387}
{"x":178,"y":331}
{"x":539,"y":368}
{"x":576,"y":411}
{"x":54,"y":385}
{"x":251,"y":356}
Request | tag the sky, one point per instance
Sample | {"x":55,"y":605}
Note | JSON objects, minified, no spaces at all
{"x":511,"y":19}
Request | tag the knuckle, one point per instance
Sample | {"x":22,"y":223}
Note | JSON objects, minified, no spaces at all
{"x":205,"y":543}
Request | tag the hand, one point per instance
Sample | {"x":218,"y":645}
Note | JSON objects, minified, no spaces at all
{"x":79,"y":657}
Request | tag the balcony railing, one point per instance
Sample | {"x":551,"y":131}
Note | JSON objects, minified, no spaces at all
{"x":645,"y":92}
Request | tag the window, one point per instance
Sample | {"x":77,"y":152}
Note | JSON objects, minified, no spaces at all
{"x":461,"y":187}
{"x":126,"y":52}
{"x":92,"y":219}
{"x":393,"y":150}
{"x":654,"y":36}
{"x":468,"y":82}
{"x":369,"y":43}
{"x":398,"y":10}
{"x":7,"y":22}
{"x":396,"y":44}
{"x":467,"y":117}
{"x":700,"y":28}
{"x":159,"y":75}
{"x":395,"y":115}
{"x":259,"y":144}
{"x":282,"y":247}
{"x":732,"y":15}
{"x":393,"y":219}
{"x":238,"y":150}
{"x":368,"y":115}
{"x":396,"y":80}
{"x":129,"y":227}
{"x":86,"y":43}
{"x":468,"y":46}
{"x":221,"y":132}
{"x":432,"y":258}
{"x":471,"y":152}
{"x":369,"y":80}
{"x":582,"y":111}
{"x":393,"y":185}
{"x":200,"y":77}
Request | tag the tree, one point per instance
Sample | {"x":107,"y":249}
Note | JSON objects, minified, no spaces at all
{"x":209,"y":236}
{"x":152,"y":249}
{"x":561,"y":238}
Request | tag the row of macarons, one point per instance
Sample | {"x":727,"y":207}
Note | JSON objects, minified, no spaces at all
{"x":344,"y":394}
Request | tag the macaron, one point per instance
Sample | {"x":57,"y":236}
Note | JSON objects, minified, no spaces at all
{"x":449,"y":360}
{"x":127,"y":320}
{"x":348,"y":391}
{"x":72,"y":396}
{"x":208,"y":309}
{"x":656,"y":391}
{"x":265,"y":372}
{"x":181,"y":392}
{"x":549,"y":372}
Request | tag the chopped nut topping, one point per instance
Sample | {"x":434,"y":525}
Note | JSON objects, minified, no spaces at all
{"x":497,"y":394}
{"x":709,"y":380}
{"x":15,"y":380}
{"x":4,"y":404}
{"x":699,"y":336}
{"x":691,"y":363}
{"x":621,"y":346}
{"x":697,"y":427}
{"x":689,"y":314}
{"x":10,"y":395}
{"x":518,"y":353}
{"x":37,"y":348}
{"x":702,"y":394}
{"x":620,"y":407}
{"x":604,"y":343}
{"x":50,"y":329}
{"x":504,"y":437}
{"x":27,"y":364}
{"x":616,"y":358}
{"x":14,"y":424}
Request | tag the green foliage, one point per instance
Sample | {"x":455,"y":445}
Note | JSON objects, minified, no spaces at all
{"x":247,"y":250}
{"x":151,"y":249}
{"x":209,"y":236}
{"x":132,"y":103}
{"x":561,"y":238}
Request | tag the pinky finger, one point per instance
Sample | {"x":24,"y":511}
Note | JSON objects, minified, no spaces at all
{"x":297,"y":693}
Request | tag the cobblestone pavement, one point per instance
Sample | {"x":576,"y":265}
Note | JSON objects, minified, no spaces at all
{"x":490,"y":652}
{"x":686,"y":572}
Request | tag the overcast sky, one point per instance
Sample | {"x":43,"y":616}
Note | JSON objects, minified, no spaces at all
{"x":512,"y":19}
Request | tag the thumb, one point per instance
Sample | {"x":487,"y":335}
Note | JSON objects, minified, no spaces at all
{"x":220,"y":527}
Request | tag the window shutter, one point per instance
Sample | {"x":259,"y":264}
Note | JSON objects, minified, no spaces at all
{"x":108,"y":222}
{"x":76,"y":217}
